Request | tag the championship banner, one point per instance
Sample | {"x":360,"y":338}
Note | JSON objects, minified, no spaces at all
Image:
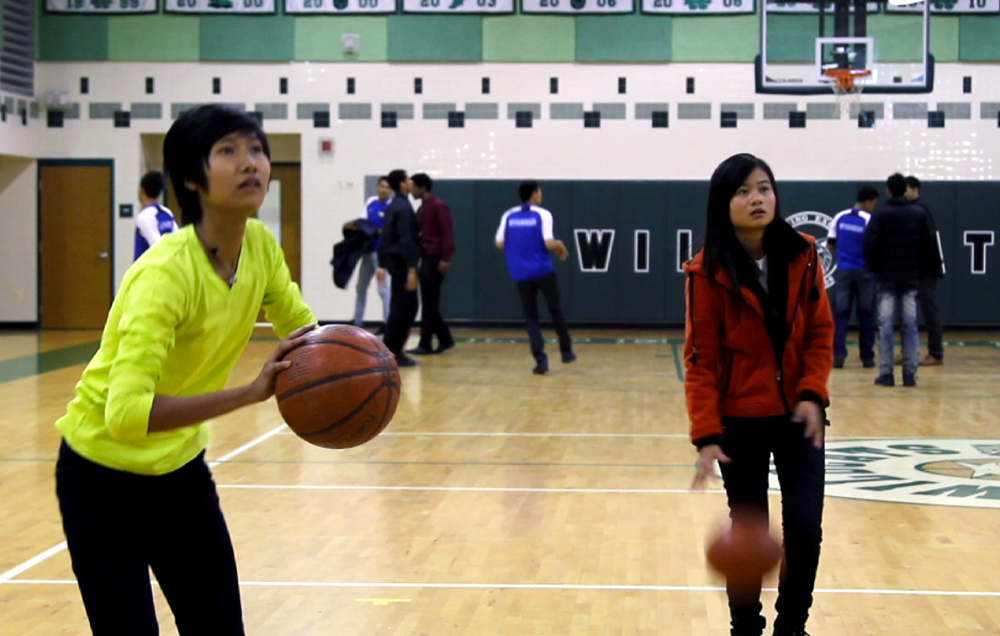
{"x":945,"y":7}
{"x":102,"y":7}
{"x":458,"y":6}
{"x":219,"y":6}
{"x":699,"y":7}
{"x":578,"y":7}
{"x":813,"y":7}
{"x":340,"y":7}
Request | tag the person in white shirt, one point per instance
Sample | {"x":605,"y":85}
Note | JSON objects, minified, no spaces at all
{"x":154,"y":220}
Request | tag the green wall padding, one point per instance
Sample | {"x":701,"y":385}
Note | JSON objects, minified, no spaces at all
{"x":898,"y":38}
{"x":792,"y":38}
{"x":72,"y":37}
{"x":480,"y":288}
{"x":979,"y":38}
{"x":318,"y":38}
{"x":432,"y":38}
{"x":623,"y":38}
{"x":709,"y":39}
{"x":233,"y":38}
{"x":519,"y":38}
{"x":154,"y":38}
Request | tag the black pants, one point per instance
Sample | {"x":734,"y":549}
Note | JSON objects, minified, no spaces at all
{"x":403,"y":305}
{"x":119,"y":525}
{"x":431,"y":322}
{"x":927,"y":299}
{"x":528,"y":290}
{"x":750,"y":443}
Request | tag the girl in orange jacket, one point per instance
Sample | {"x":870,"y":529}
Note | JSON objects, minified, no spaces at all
{"x":758,"y":352}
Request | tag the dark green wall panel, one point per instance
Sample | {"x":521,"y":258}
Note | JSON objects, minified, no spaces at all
{"x":458,"y":295}
{"x":481,"y":289}
{"x":496,"y":293}
{"x":625,"y":38}
{"x":979,"y":38}
{"x":975,"y":298}
{"x":72,"y":38}
{"x":247,"y":38}
{"x":792,"y":38}
{"x":432,"y":38}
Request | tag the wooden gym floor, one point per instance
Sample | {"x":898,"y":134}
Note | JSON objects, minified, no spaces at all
{"x":499,"y":503}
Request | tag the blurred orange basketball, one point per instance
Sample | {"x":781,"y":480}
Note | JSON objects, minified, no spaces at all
{"x":745,"y":551}
{"x":342,"y":388}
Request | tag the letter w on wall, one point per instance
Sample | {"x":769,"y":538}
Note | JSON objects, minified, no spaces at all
{"x":593,"y":248}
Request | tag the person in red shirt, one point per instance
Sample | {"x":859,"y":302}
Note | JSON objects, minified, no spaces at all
{"x":435,"y":263}
{"x":758,"y":353}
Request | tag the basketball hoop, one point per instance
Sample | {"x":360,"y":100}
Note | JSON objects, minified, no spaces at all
{"x":847,"y":85}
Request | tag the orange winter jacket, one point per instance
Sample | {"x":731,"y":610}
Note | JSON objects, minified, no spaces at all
{"x":732,"y":365}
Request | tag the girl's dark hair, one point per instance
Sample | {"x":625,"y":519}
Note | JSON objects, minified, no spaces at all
{"x":188,"y":145}
{"x":722,"y":248}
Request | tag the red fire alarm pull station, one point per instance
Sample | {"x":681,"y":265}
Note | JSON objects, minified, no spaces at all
{"x":326,"y":146}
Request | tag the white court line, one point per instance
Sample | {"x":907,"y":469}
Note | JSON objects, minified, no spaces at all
{"x":6,"y":577}
{"x":242,"y":449}
{"x":627,"y":491}
{"x":32,"y":562}
{"x":553,"y":586}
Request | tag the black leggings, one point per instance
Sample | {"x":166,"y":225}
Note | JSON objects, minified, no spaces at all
{"x":119,"y":525}
{"x":749,"y":443}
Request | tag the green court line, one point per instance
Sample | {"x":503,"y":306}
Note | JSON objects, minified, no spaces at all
{"x":677,"y":361}
{"x":39,"y":363}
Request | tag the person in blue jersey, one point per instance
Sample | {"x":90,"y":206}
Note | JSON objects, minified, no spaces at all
{"x":134,"y":489}
{"x":525,"y":236}
{"x":154,"y":220}
{"x":852,"y":280}
{"x":368,"y":267}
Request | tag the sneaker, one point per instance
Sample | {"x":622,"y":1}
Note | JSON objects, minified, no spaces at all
{"x":403,"y":360}
{"x":931,"y":361}
{"x":838,"y":363}
{"x":542,"y":367}
{"x":886,"y":379}
{"x":568,"y":357}
{"x":421,"y":351}
{"x":794,"y":632}
{"x":909,"y":379}
{"x":868,"y":364}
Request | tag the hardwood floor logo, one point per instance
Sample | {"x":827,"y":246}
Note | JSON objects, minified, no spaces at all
{"x":941,"y":472}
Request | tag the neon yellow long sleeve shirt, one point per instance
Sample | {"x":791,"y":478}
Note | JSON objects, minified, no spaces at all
{"x":175,"y":328}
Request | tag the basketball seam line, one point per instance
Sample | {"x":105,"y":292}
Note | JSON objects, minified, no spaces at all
{"x":376,"y":352}
{"x":334,"y":378}
{"x":347,"y":417}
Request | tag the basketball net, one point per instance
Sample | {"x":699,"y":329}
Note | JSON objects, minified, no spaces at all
{"x":847,"y":87}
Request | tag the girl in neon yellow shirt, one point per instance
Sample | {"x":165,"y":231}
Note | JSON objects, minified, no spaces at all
{"x":134,"y":489}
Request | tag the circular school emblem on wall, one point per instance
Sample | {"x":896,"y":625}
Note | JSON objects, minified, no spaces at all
{"x":817,"y":224}
{"x":941,"y":472}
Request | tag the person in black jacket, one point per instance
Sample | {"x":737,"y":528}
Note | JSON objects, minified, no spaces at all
{"x":927,"y":288}
{"x":399,"y":255}
{"x":899,"y":245}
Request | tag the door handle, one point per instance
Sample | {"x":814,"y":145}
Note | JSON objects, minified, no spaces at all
{"x":102,"y":255}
